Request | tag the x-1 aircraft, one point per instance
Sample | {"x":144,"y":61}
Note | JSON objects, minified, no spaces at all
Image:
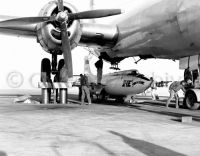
{"x":119,"y":85}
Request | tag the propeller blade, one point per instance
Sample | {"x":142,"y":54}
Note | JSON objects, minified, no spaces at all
{"x":60,"y":5}
{"x":26,"y":20}
{"x":94,"y":14}
{"x":66,"y":49}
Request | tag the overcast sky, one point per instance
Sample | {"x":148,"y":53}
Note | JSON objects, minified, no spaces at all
{"x":23,"y":55}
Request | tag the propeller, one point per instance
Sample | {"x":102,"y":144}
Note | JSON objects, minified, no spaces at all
{"x":62,"y":17}
{"x":66,"y":49}
{"x":26,"y":21}
{"x":94,"y":14}
{"x":71,"y":16}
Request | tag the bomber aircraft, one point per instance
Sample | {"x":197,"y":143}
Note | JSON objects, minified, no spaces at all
{"x":159,"y":29}
{"x":167,"y":29}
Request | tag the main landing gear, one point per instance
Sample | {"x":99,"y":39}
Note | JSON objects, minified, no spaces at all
{"x":46,"y":79}
{"x":54,"y":88}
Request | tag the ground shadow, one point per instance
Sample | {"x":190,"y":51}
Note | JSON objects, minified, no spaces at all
{"x":39,"y":97}
{"x":147,"y":148}
{"x":168,"y":113}
{"x":2,"y":153}
{"x":159,"y":103}
{"x":92,"y":144}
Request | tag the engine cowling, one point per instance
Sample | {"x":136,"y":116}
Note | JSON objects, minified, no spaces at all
{"x":48,"y":34}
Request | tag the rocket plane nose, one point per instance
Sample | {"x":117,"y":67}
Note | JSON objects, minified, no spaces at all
{"x":147,"y":84}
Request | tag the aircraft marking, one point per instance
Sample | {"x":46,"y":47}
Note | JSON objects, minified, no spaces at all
{"x":131,"y":83}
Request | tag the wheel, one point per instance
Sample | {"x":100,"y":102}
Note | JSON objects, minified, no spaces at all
{"x":190,"y":101}
{"x":102,"y":96}
{"x":46,"y":77}
{"x":61,"y":63}
{"x":45,"y":70}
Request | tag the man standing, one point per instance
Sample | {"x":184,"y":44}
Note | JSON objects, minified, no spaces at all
{"x":153,"y":89}
{"x":188,"y":76}
{"x":99,"y":66}
{"x":84,"y":89}
{"x":173,"y":90}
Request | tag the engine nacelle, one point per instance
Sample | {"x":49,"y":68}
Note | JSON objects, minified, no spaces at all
{"x":48,"y":33}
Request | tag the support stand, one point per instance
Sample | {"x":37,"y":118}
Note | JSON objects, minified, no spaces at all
{"x":63,"y":96}
{"x":46,"y":92}
{"x":46,"y":95}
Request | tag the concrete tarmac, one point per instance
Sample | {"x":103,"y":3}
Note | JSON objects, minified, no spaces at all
{"x":141,"y":129}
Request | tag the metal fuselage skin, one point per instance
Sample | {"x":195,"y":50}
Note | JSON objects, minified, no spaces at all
{"x":122,"y":83}
{"x":166,"y":29}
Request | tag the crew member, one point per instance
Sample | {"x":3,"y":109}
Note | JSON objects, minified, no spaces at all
{"x":188,"y":77}
{"x":84,"y":89}
{"x":173,"y":90}
{"x":153,"y":89}
{"x":99,"y":66}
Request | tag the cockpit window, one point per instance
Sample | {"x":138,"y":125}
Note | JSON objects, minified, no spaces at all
{"x":136,"y":73}
{"x":131,"y":73}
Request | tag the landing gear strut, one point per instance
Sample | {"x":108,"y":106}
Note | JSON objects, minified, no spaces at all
{"x":54,"y":63}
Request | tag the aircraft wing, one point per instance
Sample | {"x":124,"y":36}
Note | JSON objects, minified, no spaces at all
{"x":98,"y":37}
{"x":17,"y":30}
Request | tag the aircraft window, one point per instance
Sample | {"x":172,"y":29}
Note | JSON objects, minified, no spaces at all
{"x":133,"y":73}
{"x":136,"y":73}
{"x":142,"y":76}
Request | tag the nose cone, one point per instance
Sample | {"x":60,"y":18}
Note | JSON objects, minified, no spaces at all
{"x":147,"y":84}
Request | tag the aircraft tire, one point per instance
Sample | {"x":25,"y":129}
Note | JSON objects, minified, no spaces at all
{"x":190,"y":101}
{"x":45,"y":70}
{"x":46,"y":77}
